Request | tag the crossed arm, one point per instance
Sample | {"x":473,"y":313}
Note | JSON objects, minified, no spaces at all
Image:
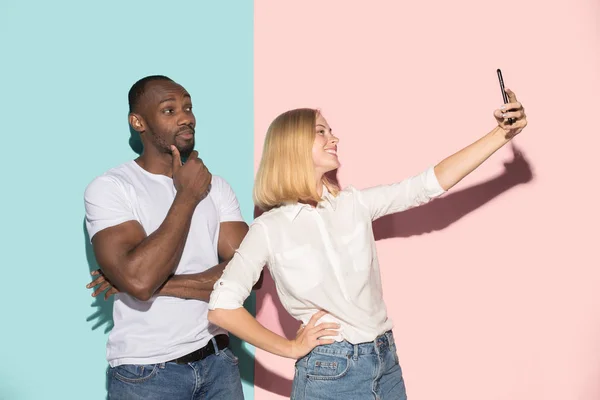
{"x":143,"y":265}
{"x":199,"y":286}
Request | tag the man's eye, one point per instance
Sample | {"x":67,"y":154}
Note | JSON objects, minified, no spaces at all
{"x":188,"y":108}
{"x":168,"y":111}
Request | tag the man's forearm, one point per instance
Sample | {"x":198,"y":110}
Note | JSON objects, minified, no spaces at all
{"x":197,"y":286}
{"x":152,"y":261}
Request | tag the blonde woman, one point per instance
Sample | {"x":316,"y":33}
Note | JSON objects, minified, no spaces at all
{"x":318,"y":244}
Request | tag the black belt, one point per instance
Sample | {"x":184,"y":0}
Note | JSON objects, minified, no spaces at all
{"x":200,"y":354}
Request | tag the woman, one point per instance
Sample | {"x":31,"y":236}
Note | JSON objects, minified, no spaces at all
{"x":318,"y":243}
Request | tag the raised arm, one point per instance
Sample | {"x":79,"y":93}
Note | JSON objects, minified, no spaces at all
{"x":136,"y":263}
{"x":453,"y":169}
{"x":420,"y":189}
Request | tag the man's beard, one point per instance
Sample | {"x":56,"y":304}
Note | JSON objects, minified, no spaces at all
{"x":185,"y":151}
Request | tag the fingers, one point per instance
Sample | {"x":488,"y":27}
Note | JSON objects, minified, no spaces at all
{"x":96,"y":282}
{"x":513,"y":129}
{"x":325,"y":341}
{"x":512,"y":97}
{"x":512,"y":106}
{"x":194,"y":159}
{"x":110,"y":292}
{"x":313,"y":320}
{"x":504,"y":116}
{"x":520,"y":124}
{"x":193,"y":156}
{"x":513,"y":115}
{"x":325,"y":329}
{"x":102,"y":288}
{"x":327,"y":325}
{"x":328,"y":333}
{"x":176,"y":159}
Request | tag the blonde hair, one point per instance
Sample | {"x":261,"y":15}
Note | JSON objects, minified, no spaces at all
{"x":286,"y":173}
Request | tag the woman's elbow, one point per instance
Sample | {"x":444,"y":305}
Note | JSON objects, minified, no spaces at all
{"x":214,"y":317}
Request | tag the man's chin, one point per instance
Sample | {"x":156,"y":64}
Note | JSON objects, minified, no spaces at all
{"x":186,"y":150}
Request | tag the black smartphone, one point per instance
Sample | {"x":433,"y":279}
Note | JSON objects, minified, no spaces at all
{"x":504,"y":95}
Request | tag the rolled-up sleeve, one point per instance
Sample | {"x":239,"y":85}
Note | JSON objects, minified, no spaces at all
{"x":243,"y":271}
{"x":414,"y":191}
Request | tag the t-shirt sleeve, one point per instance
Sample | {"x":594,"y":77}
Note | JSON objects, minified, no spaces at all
{"x":229,"y":208}
{"x":106,"y":205}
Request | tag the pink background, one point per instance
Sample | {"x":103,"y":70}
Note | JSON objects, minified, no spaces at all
{"x":493,"y":289}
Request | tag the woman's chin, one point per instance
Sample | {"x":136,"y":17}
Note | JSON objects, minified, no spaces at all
{"x":333,"y":167}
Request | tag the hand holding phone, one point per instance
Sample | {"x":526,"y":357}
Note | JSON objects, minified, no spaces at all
{"x":504,"y":95}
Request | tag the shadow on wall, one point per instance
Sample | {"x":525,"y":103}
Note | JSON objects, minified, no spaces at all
{"x":102,"y":315}
{"x":135,"y":142}
{"x":433,"y":216}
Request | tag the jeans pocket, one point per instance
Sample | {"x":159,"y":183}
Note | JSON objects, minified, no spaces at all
{"x":327,"y":366}
{"x":228,"y":355}
{"x":131,"y":373}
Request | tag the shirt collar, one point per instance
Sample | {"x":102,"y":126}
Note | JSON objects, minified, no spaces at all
{"x":328,"y":197}
{"x":292,"y":210}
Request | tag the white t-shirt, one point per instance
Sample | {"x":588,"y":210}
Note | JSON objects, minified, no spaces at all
{"x":163,"y":328}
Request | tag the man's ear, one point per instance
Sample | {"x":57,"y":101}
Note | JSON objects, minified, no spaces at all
{"x":137,"y":122}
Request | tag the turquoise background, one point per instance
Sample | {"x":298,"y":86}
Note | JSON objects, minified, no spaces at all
{"x":65,"y":69}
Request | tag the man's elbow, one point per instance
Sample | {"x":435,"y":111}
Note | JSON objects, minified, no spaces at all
{"x":140,"y":290}
{"x":142,"y":295}
{"x":128,"y":280}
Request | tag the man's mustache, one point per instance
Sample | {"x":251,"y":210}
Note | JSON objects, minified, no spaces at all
{"x":186,"y":129}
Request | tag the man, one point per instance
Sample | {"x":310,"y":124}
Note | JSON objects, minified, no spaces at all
{"x":159,"y":229}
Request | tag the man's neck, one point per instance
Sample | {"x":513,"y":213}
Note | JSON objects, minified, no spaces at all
{"x":159,"y":164}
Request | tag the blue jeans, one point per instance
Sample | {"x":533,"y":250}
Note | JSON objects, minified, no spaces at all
{"x":215,"y":377}
{"x":350,"y":372}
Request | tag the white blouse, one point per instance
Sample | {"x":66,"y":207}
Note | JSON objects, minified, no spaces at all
{"x":324,"y":258}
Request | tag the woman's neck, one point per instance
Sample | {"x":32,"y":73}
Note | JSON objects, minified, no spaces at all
{"x":319,"y":184}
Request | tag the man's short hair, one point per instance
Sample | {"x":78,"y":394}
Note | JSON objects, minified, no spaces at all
{"x":137,"y":90}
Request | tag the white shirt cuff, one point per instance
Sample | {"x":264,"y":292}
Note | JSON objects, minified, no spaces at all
{"x":227,"y":295}
{"x":432,"y":185}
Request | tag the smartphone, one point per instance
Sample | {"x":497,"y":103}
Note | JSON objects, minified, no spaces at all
{"x":504,"y":95}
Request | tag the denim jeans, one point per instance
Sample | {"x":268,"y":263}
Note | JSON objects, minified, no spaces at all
{"x":215,"y":377}
{"x":350,"y":372}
